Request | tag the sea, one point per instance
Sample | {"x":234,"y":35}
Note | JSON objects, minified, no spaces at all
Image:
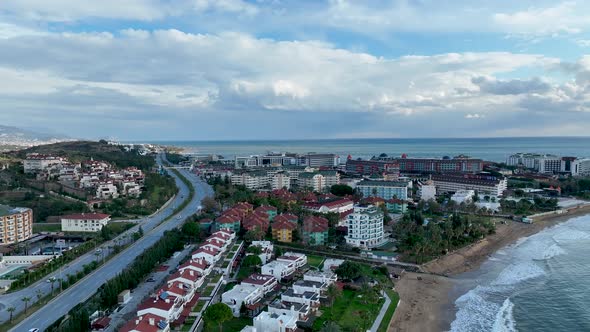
{"x":492,"y":149}
{"x":540,"y":283}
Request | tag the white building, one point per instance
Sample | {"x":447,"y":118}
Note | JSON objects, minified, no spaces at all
{"x":246,"y":294}
{"x":301,"y":311}
{"x":198,"y":265}
{"x":36,"y":162}
{"x":327,"y":276}
{"x":365,"y":227}
{"x":163,"y":305}
{"x":209,"y":255}
{"x":314,"y":181}
{"x":463,"y":196}
{"x":583,"y":167}
{"x":272,"y":322}
{"x":483,"y":184}
{"x":302,"y":286}
{"x":310,"y":299}
{"x":267,"y":249}
{"x":252,"y":180}
{"x":331,"y":264}
{"x":84,"y":222}
{"x":280,"y":180}
{"x":279,"y":269}
{"x":267,"y":282}
{"x":107,"y":190}
{"x":296,"y":258}
{"x":426,"y":190}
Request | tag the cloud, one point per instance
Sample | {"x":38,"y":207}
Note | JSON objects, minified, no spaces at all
{"x":510,"y":87}
{"x":474,"y":116}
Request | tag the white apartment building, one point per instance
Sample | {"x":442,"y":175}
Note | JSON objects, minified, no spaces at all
{"x":314,"y":181}
{"x":36,"y":162}
{"x":582,"y":167}
{"x":268,"y":283}
{"x":326,"y":276}
{"x":280,"y":180}
{"x":365,"y":227}
{"x":84,"y":222}
{"x":251,"y":180}
{"x":426,"y":190}
{"x":242,"y":294}
{"x":16,"y":224}
{"x":330,"y":178}
{"x":296,"y":258}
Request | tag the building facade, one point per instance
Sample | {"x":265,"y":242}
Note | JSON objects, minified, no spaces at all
{"x":365,"y":228}
{"x":84,"y":222}
{"x":16,"y":224}
{"x":383,"y":189}
{"x":484,"y":185}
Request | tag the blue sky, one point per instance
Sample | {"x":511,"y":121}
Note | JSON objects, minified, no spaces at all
{"x":281,"y":69}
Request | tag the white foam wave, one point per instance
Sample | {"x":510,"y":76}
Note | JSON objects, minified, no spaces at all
{"x":504,"y":321}
{"x":474,"y":313}
{"x":552,"y":251}
{"x":570,"y":234}
{"x":515,"y":273}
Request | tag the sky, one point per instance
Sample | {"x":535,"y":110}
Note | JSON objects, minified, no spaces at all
{"x":295,"y":69}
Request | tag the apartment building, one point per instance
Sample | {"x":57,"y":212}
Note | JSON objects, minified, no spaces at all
{"x":16,"y":224}
{"x":383,"y":189}
{"x":84,"y":222}
{"x":312,"y":180}
{"x":484,"y":185}
{"x":36,"y":162}
{"x":242,"y":294}
{"x":315,"y":231}
{"x":280,"y":180}
{"x":458,"y":164}
{"x":370,"y":167}
{"x":426,"y":190}
{"x":365,"y":227}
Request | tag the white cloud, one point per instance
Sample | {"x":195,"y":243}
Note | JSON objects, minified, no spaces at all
{"x":474,"y":116}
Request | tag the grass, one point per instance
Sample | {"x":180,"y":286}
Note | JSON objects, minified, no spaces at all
{"x":232,"y":325}
{"x":208,"y":290}
{"x":40,"y":227}
{"x":225,"y":264}
{"x":348,"y":311}
{"x":315,"y":261}
{"x":389,"y":313}
{"x":199,"y":306}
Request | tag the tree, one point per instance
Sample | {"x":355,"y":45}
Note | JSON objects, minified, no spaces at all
{"x":191,"y":230}
{"x":52,"y":280}
{"x":26,"y":300}
{"x":331,"y":327}
{"x":254,"y":234}
{"x":11,"y":310}
{"x":349,"y":270}
{"x":252,"y":260}
{"x":341,"y":190}
{"x":217,"y":314}
{"x":333,"y":292}
{"x":39,"y":294}
{"x":256,"y":250}
{"x":209,"y":204}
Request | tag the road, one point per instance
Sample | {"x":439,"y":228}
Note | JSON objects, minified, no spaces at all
{"x":153,"y":229}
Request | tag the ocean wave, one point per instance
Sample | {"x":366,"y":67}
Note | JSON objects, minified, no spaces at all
{"x":504,"y":321}
{"x":518,"y":272}
{"x":475,"y":312}
{"x":570,"y":234}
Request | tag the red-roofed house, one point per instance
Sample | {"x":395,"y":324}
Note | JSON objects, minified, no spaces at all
{"x":315,"y":230}
{"x":254,"y":221}
{"x":228,"y":221}
{"x":146,"y":323}
{"x":282,"y":230}
{"x":213,"y":242}
{"x":164,"y":305}
{"x":225,"y":234}
{"x":337,"y":206}
{"x":189,"y":277}
{"x":84,"y":222}
{"x":211,"y":256}
{"x":198,"y":265}
{"x":179,"y":289}
{"x":271,"y":211}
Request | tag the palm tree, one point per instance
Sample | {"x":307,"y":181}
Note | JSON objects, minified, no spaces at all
{"x":11,"y":310}
{"x":39,"y":294}
{"x":26,"y":300}
{"x":333,"y":292}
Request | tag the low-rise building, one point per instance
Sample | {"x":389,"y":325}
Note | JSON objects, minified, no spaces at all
{"x":302,"y":286}
{"x":190,"y":277}
{"x":281,"y":270}
{"x":282,"y":230}
{"x":209,"y":255}
{"x":327,"y":276}
{"x":146,"y":323}
{"x":296,"y":258}
{"x":310,"y":299}
{"x":242,"y":294}
{"x":395,"y":205}
{"x":463,"y":196}
{"x":84,"y":222}
{"x":267,"y":250}
{"x":301,"y":311}
{"x":163,"y":305}
{"x":268,"y":282}
{"x":272,"y":322}
{"x":198,"y":265}
{"x":331,"y":264}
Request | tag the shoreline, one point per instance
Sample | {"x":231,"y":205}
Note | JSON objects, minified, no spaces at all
{"x":429,"y":304}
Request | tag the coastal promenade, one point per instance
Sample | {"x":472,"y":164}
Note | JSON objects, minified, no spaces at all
{"x":153,"y":228}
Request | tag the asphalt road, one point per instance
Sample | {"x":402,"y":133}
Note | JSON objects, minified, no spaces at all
{"x":86,"y":287}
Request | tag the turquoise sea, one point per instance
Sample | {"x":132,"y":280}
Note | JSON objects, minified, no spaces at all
{"x":493,"y":149}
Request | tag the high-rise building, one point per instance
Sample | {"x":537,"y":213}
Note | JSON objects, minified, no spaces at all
{"x":365,"y":227}
{"x":16,"y":224}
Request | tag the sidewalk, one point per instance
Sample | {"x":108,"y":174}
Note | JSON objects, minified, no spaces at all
{"x":381,"y":313}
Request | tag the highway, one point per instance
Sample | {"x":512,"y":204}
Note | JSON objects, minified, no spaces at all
{"x":153,"y":229}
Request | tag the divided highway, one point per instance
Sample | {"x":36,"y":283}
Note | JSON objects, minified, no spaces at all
{"x":86,"y":287}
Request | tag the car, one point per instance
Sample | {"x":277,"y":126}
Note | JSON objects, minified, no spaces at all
{"x":150,"y":279}
{"x":34,"y":330}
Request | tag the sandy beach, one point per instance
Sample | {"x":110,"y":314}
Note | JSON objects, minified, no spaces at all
{"x":427,"y":304}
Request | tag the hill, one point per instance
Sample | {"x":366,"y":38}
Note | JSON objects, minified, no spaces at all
{"x":17,"y":138}
{"x":78,"y":151}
